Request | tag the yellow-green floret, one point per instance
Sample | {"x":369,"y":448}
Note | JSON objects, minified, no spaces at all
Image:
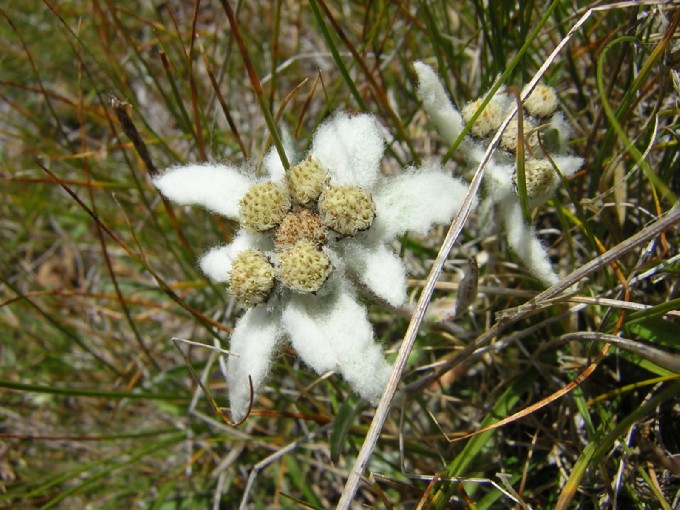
{"x":541,"y":180}
{"x":488,"y":120}
{"x":346,"y":209}
{"x":511,"y":133}
{"x":306,"y":180}
{"x":304,"y":267}
{"x":251,"y":277}
{"x":542,"y":102}
{"x":264,"y":206}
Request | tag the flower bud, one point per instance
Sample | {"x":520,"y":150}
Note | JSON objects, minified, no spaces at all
{"x":541,"y":180}
{"x":542,"y":102}
{"x":346,"y":209}
{"x":509,"y":137}
{"x":263,"y":206}
{"x":304,"y":267}
{"x":251,"y":278}
{"x":305,"y":180}
{"x":488,"y":120}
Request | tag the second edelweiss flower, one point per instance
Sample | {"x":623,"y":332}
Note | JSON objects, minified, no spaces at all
{"x":543,"y":164}
{"x":303,"y":232}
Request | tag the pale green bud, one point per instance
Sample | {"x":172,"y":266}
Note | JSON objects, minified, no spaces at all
{"x":306,"y":180}
{"x":542,"y":102}
{"x":263,"y":206}
{"x":488,"y":120}
{"x":304,"y":267}
{"x":541,"y":181}
{"x":251,"y":277}
{"x":346,"y":209}
{"x":509,"y":137}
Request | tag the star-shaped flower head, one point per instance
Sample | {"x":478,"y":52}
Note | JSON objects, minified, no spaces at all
{"x":500,"y":180}
{"x":308,"y":236}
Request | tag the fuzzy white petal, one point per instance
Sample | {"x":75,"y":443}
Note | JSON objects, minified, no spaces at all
{"x":415,"y":201}
{"x":379,"y":269}
{"x":350,"y":148}
{"x":525,"y":244}
{"x":498,"y":181}
{"x":215,"y":187}
{"x":474,"y":152}
{"x":216,"y":263}
{"x":334,"y":334}
{"x":568,"y":165}
{"x":560,"y":124}
{"x":361,"y":360}
{"x":308,"y":322}
{"x":438,"y":107}
{"x":254,"y":338}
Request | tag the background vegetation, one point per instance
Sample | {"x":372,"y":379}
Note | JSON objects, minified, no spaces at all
{"x":99,"y":408}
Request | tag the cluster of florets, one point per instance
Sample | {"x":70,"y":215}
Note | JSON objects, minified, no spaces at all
{"x":298,"y":214}
{"x":544,"y":142}
{"x":541,"y":104}
{"x":539,"y":113}
{"x":310,"y":236}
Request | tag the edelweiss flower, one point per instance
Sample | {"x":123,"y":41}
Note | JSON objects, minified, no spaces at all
{"x":541,"y":177}
{"x":307,"y":235}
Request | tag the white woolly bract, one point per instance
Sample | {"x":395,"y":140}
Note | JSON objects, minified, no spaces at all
{"x":350,"y":148}
{"x":498,"y":181}
{"x":252,"y":345}
{"x":309,"y":321}
{"x":559,"y":123}
{"x":335,"y":334}
{"x":379,"y":269}
{"x":437,"y":105}
{"x":525,"y":244}
{"x":415,"y":201}
{"x":215,"y":187}
{"x":216,"y":263}
{"x":567,"y":165}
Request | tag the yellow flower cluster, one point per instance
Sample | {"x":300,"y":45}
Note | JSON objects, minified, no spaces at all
{"x":298,"y":214}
